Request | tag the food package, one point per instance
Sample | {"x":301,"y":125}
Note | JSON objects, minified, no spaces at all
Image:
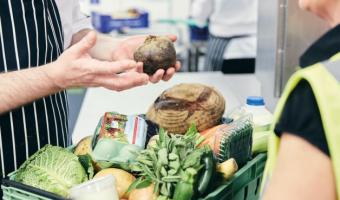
{"x":127,"y":129}
{"x":234,"y":140}
{"x":117,"y":138}
{"x":180,"y":106}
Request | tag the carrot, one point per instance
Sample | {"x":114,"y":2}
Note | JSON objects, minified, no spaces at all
{"x":209,"y":134}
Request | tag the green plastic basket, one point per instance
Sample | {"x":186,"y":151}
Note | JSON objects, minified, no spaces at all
{"x":245,"y":184}
{"x":12,"y":193}
{"x":16,"y":191}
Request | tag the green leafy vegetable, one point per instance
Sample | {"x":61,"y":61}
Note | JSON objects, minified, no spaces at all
{"x":53,"y":169}
{"x":86,"y":162}
{"x":171,"y":158}
{"x":185,"y":189}
{"x":144,"y":183}
{"x":139,"y":183}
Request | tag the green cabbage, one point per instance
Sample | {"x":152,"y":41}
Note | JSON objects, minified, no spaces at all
{"x":53,"y":169}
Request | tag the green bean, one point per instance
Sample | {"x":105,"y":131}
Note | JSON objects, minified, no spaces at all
{"x":173,"y":156}
{"x":164,"y":190}
{"x":172,"y":172}
{"x":163,"y":156}
{"x":174,"y":165}
{"x":146,"y":162}
{"x":163,"y":171}
{"x":171,"y":179}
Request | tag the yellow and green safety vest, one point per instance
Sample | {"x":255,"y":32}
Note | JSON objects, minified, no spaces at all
{"x":324,"y":79}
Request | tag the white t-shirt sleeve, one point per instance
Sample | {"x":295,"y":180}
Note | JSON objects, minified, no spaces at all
{"x":73,"y":20}
{"x":200,"y":11}
{"x":79,"y":20}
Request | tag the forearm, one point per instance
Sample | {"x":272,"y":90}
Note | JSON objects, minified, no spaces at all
{"x":103,"y":48}
{"x":21,"y":87}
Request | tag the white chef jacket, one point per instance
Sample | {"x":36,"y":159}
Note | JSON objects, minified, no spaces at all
{"x":228,"y":18}
{"x":73,"y":20}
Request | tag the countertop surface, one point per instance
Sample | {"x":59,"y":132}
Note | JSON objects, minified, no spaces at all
{"x":97,"y":101}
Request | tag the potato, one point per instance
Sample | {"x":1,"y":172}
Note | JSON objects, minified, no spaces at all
{"x":123,"y":180}
{"x":153,"y":141}
{"x":157,"y":52}
{"x":84,"y":146}
{"x":143,"y":194}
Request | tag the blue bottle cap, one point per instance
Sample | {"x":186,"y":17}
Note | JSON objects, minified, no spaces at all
{"x":255,"y":101}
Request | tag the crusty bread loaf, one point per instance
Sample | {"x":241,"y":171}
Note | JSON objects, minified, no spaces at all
{"x":180,"y":106}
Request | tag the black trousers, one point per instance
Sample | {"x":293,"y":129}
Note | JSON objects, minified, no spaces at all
{"x":238,"y":66}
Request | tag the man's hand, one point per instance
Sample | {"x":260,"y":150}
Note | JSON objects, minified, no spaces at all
{"x":75,"y":67}
{"x":126,"y":48}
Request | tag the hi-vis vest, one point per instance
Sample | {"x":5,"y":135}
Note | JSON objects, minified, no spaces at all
{"x":324,"y":79}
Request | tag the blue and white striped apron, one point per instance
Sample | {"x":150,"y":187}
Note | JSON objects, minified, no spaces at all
{"x":30,"y":35}
{"x":215,"y":51}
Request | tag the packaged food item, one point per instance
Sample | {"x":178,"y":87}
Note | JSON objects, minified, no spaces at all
{"x":116,"y":139}
{"x":130,"y":129}
{"x":262,"y":118}
{"x":209,"y":135}
{"x":234,"y":140}
{"x":112,"y":150}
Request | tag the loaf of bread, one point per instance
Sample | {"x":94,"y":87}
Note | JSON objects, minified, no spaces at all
{"x":180,"y":106}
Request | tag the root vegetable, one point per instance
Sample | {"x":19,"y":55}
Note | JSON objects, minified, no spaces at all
{"x":143,"y":194}
{"x":123,"y":180}
{"x":157,"y":52}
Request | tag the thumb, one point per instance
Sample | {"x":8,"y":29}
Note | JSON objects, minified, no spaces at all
{"x":173,"y":38}
{"x":85,"y":44}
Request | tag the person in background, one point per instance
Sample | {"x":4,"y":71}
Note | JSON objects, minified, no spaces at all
{"x":304,"y":153}
{"x":232,"y":25}
{"x":36,"y":71}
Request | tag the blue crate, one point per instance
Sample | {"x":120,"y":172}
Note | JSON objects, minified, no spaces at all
{"x":198,"y":34}
{"x":106,"y":24}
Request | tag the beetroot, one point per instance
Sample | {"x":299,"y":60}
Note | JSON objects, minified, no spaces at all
{"x":157,"y":52}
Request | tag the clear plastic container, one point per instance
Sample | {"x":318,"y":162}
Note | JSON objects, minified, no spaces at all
{"x":262,"y":118}
{"x":234,"y":140}
{"x":103,"y":188}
